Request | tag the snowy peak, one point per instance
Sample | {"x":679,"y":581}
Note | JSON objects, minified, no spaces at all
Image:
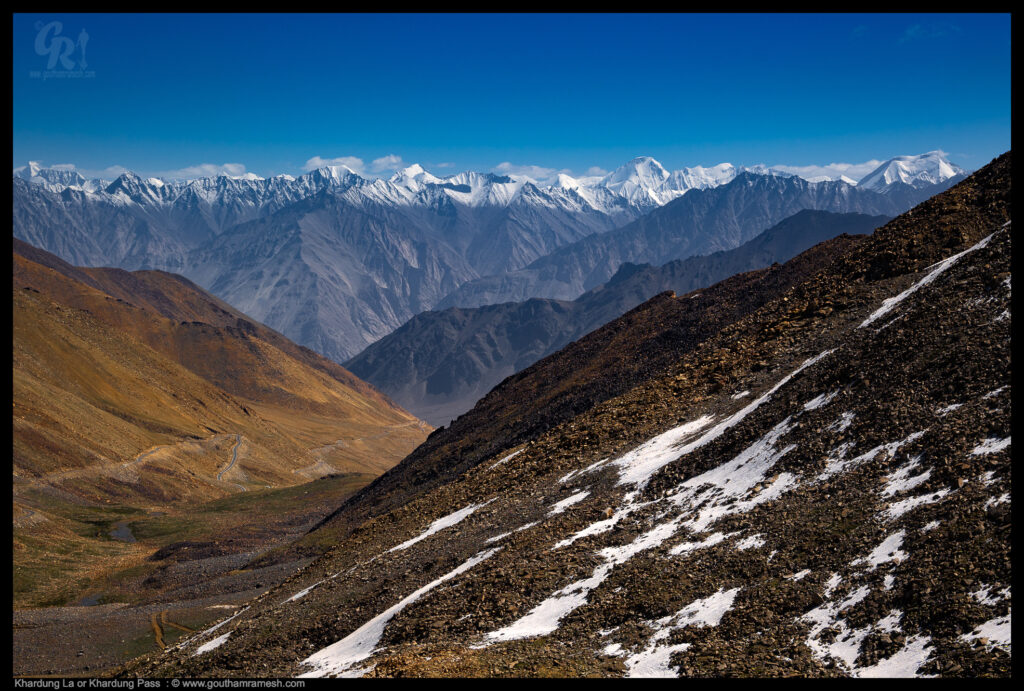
{"x":640,"y":181}
{"x":699,"y":177}
{"x":414,"y":177}
{"x":35,"y":173}
{"x":641,"y":184}
{"x":917,"y":171}
{"x":336,"y":173}
{"x":641,"y":170}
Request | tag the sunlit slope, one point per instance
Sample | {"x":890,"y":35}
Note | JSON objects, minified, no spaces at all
{"x":140,"y":392}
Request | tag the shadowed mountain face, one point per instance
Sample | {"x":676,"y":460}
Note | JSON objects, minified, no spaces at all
{"x":335,"y":262}
{"x":701,"y":222}
{"x":135,"y":390}
{"x":817,"y":486}
{"x":330,"y":259}
{"x":439,"y":364}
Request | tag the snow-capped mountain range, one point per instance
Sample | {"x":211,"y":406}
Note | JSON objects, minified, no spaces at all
{"x":642,"y":182}
{"x":335,"y":261}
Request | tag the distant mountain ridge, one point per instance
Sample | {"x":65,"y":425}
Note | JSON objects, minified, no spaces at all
{"x":335,"y":261}
{"x":700,"y":222}
{"x":439,"y":363}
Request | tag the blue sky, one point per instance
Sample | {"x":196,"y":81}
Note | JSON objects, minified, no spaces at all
{"x":163,"y":94}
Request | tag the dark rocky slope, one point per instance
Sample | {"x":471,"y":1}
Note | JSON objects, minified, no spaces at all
{"x":439,"y":364}
{"x":819,"y":488}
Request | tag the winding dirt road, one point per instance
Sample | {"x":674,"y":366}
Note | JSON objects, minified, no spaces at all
{"x":234,"y":457}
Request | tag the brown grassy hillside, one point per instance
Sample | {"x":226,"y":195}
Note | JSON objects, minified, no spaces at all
{"x":138,"y":391}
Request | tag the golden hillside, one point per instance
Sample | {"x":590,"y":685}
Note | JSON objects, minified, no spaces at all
{"x":140,"y":391}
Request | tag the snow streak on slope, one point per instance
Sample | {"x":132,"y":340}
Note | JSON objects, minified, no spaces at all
{"x":340,"y":657}
{"x":698,"y":503}
{"x":653,"y":660}
{"x":639,"y":465}
{"x":935,"y":271}
{"x":440,"y":524}
{"x":211,"y":645}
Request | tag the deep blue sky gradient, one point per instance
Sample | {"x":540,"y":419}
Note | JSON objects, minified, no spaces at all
{"x":564,"y":91}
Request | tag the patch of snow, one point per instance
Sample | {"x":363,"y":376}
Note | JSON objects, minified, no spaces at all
{"x":901,"y":481}
{"x":709,"y":541}
{"x":994,"y":393}
{"x":211,"y":645}
{"x":834,"y":466}
{"x":362,"y":643}
{"x":936,"y":269}
{"x":897,"y":509}
{"x":832,"y":583}
{"x":561,"y":506}
{"x":653,"y":660}
{"x":217,"y":626}
{"x":507,"y":458}
{"x":842,"y":423}
{"x":820,"y":400}
{"x":573,"y":473}
{"x":440,"y":524}
{"x":986,"y":596}
{"x":750,"y":542}
{"x":888,"y":551}
{"x":716,"y":493}
{"x":545,"y":617}
{"x":903,"y":664}
{"x":888,"y":582}
{"x":304,"y":591}
{"x":949,"y":409}
{"x":637,"y":466}
{"x":799,"y":575}
{"x":997,"y":631}
{"x":930,"y":526}
{"x":890,"y":623}
{"x":846,"y":645}
{"x":996,"y":501}
{"x":990,"y":445}
{"x":741,"y":394}
{"x":988,"y":478}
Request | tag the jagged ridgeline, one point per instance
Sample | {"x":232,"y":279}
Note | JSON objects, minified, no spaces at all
{"x":335,"y":261}
{"x":818,"y":487}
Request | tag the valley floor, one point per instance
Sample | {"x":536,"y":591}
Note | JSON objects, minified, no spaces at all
{"x":165,"y":572}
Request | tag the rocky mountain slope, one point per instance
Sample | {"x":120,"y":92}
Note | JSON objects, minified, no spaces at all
{"x":133,"y":391}
{"x":820,"y":488}
{"x":438,"y":364}
{"x":335,"y":261}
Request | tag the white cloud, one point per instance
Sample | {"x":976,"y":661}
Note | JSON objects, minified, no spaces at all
{"x":386,"y":163}
{"x":926,"y":31}
{"x":593,"y":171}
{"x":536,"y":173}
{"x":446,"y":164}
{"x":351,"y":162}
{"x":203,"y":170}
{"x":854,"y":171}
